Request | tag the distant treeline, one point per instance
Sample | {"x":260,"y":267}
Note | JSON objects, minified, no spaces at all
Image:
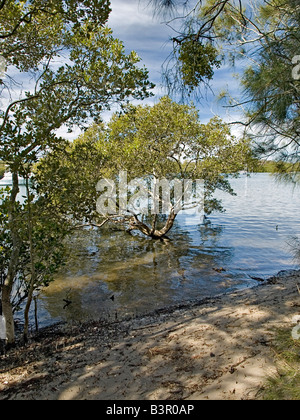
{"x":2,"y":169}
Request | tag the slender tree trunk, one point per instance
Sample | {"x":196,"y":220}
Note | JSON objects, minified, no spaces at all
{"x":36,"y":315}
{"x":13,"y":265}
{"x":32,"y":265}
{"x":26,"y":313}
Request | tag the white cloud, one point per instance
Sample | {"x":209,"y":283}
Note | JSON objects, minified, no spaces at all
{"x":133,"y":22}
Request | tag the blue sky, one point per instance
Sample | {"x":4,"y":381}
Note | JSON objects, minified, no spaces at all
{"x":132,"y":21}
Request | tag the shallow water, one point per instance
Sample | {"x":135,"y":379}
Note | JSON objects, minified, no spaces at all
{"x":250,"y":239}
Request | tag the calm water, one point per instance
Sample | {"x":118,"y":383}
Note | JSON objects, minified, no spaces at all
{"x":250,"y":239}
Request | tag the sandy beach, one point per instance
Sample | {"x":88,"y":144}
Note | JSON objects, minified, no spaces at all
{"x":219,"y":348}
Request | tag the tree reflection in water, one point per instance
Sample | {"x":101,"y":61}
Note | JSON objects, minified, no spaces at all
{"x":142,"y":274}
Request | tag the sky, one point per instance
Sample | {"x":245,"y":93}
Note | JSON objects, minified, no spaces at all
{"x":133,"y":22}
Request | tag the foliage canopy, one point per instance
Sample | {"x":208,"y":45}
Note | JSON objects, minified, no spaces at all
{"x":164,"y":141}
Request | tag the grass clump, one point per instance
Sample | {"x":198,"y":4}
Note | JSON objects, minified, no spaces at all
{"x":286,"y":384}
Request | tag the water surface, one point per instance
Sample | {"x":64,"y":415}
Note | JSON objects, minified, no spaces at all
{"x":112,"y":274}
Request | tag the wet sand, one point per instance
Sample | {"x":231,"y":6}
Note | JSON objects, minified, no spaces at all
{"x":219,"y":348}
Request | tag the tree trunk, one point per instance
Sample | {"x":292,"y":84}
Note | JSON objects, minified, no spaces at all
{"x":8,"y":314}
{"x":32,"y":265}
{"x":26,"y":314}
{"x":36,"y":315}
{"x":13,"y":265}
{"x":153,"y":233}
{"x":168,"y":226}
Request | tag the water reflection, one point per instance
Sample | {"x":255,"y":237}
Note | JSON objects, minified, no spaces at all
{"x":140,"y":274}
{"x":112,"y":274}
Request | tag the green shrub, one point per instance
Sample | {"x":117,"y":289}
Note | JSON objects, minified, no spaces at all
{"x":286,"y":384}
{"x":2,"y":170}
